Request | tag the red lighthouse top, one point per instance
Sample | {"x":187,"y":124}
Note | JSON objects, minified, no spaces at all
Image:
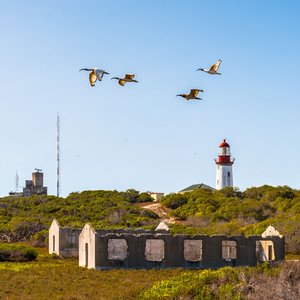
{"x":224,"y":144}
{"x":224,"y":154}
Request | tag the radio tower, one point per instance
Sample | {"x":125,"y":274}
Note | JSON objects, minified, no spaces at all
{"x":17,"y":181}
{"x":58,"y":154}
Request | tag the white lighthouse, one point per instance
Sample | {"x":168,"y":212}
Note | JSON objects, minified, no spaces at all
{"x":224,"y":166}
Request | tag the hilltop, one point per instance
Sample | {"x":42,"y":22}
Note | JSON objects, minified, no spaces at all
{"x":30,"y":217}
{"x":228,"y":211}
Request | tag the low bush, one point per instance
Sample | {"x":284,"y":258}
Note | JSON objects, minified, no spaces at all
{"x":40,"y":239}
{"x":231,"y":283}
{"x":18,"y":253}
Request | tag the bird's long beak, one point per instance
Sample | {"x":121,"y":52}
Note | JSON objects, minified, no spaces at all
{"x":106,"y":73}
{"x":199,"y":69}
{"x":178,"y":95}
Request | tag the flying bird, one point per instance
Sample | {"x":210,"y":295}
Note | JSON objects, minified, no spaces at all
{"x":213,"y":69}
{"x":96,"y":74}
{"x":192,"y":95}
{"x":126,"y":78}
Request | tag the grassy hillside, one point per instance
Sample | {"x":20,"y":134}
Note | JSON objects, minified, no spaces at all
{"x":234,"y":212}
{"x":21,"y":218}
{"x":231,"y":283}
{"x":63,"y":279}
{"x":228,"y":211}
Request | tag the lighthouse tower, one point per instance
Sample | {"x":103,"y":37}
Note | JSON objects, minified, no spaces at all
{"x":224,"y":166}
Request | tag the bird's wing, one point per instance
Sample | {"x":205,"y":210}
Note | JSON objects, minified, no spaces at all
{"x":93,"y":78}
{"x":99,"y":74}
{"x":184,"y":96}
{"x":85,"y":70}
{"x":129,"y":76}
{"x":215,"y":66}
{"x":194,"y":92}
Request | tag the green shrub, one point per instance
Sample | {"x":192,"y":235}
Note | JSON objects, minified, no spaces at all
{"x":205,"y":284}
{"x":40,"y":239}
{"x":174,"y":200}
{"x":227,"y":211}
{"x":14,"y":252}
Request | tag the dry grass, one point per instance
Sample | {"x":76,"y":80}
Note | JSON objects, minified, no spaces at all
{"x":49,"y":277}
{"x":63,"y":279}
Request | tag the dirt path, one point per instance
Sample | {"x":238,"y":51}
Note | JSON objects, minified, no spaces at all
{"x":160,"y":210}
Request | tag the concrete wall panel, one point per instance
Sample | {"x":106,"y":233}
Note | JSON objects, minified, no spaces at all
{"x":117,"y":249}
{"x":229,"y":250}
{"x":54,"y":233}
{"x":87,"y":246}
{"x":155,"y":250}
{"x":193,"y":250}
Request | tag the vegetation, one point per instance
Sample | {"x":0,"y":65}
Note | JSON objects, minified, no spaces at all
{"x":13,"y":252}
{"x":25,"y":218}
{"x":231,"y":211}
{"x":65,"y":280}
{"x":262,"y":282}
{"x":228,"y":212}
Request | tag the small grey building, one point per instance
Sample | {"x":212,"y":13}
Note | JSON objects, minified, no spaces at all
{"x":63,"y":241}
{"x":34,"y":186}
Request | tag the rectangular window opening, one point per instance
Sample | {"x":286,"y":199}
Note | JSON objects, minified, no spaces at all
{"x":229,"y":250}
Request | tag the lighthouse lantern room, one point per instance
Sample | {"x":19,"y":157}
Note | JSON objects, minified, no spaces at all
{"x":224,"y":166}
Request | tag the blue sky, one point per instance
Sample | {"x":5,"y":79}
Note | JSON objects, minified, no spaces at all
{"x":141,"y":136}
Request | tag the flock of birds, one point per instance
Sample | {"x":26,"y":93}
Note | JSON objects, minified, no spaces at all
{"x":97,"y":74}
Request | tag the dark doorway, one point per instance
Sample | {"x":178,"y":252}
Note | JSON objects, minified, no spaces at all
{"x":86,"y":254}
{"x":53,"y":242}
{"x":270,"y":252}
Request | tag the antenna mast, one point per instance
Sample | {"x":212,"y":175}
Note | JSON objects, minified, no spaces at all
{"x":17,"y":181}
{"x":58,"y":154}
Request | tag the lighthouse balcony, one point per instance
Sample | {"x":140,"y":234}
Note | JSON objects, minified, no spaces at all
{"x":224,"y":160}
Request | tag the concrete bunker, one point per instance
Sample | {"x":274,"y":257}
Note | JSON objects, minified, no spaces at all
{"x":139,"y":248}
{"x":128,"y":248}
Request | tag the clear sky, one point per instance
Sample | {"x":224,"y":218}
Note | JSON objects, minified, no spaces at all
{"x":141,"y":136}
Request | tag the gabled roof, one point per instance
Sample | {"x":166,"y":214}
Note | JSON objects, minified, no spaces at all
{"x":196,"y":187}
{"x":162,"y":226}
{"x":55,"y":223}
{"x":270,"y":231}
